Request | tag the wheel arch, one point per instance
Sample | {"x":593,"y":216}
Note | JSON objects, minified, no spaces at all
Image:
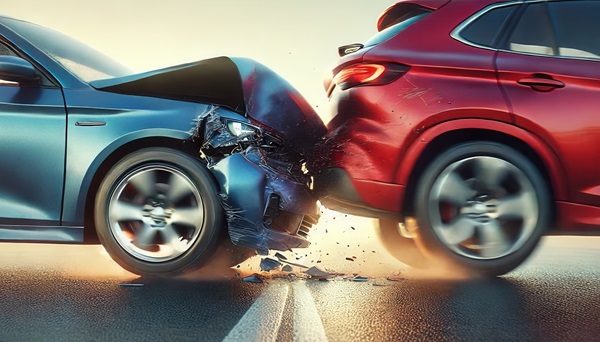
{"x":447,"y":135}
{"x":110,"y":158}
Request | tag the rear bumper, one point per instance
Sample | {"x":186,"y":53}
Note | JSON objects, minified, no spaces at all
{"x":337,"y":191}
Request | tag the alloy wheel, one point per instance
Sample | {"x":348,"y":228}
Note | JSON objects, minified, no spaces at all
{"x":483,"y":208}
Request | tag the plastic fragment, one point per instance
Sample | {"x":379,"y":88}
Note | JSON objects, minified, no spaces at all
{"x":396,"y":278}
{"x":287,"y":268}
{"x":360,"y":279}
{"x":294,"y":264}
{"x":317,"y":273}
{"x":380,"y":284}
{"x":280,"y":256}
{"x":252,"y":279}
{"x":268,"y":264}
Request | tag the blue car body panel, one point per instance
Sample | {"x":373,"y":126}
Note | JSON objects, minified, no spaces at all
{"x":59,"y":133}
{"x":100,"y":130}
{"x":33,"y":126}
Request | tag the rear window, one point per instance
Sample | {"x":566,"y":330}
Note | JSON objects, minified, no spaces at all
{"x":395,"y":21}
{"x":485,"y":30}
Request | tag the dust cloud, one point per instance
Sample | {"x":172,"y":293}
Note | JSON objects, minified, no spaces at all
{"x":78,"y":261}
{"x":347,"y":246}
{"x":343,"y":245}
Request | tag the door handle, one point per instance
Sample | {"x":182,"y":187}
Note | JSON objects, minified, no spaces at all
{"x":541,"y":83}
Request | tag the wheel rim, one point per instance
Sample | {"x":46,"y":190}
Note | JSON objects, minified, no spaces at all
{"x":483,"y":208}
{"x":156,"y":213}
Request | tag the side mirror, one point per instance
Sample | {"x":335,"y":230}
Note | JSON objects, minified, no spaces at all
{"x":16,"y":69}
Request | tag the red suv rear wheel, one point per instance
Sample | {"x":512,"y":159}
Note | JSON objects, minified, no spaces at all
{"x":482,"y":207}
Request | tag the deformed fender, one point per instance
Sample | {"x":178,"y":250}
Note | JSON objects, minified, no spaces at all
{"x":245,"y":189}
{"x":546,"y":153}
{"x":274,"y":102}
{"x":242,"y":195}
{"x":240,"y":84}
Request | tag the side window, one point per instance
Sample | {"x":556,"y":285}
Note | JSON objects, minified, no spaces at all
{"x":577,"y":25}
{"x":486,"y":29}
{"x":6,"y":51}
{"x":533,"y":33}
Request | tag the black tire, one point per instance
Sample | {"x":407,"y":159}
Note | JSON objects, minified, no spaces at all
{"x":481,"y":207}
{"x":402,"y":248}
{"x":157,"y":212}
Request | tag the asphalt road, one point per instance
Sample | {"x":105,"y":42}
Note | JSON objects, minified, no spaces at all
{"x":75,"y":293}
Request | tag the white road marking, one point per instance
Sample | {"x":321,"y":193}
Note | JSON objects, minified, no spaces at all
{"x":307,"y":322}
{"x":261,"y":322}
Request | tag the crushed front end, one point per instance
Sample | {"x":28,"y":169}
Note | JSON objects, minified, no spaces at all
{"x":256,"y":135}
{"x":263,"y":188}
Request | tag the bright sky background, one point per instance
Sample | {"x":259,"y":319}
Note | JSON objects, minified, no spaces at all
{"x":296,"y":38}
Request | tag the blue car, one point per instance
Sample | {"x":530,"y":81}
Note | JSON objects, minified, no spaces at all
{"x":163,"y":168}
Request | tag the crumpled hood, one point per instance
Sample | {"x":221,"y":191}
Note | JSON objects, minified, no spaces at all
{"x":240,"y":84}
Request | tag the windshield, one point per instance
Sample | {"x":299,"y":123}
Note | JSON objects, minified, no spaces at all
{"x":84,"y":62}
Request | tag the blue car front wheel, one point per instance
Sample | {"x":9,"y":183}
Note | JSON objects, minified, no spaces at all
{"x":157,"y":212}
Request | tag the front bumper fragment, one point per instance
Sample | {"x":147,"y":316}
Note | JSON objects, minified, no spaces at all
{"x":265,"y":209}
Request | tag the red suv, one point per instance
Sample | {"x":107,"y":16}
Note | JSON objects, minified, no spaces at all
{"x":469,"y":128}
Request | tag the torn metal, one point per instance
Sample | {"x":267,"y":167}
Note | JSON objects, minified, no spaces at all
{"x":264,"y":188}
{"x":264,"y":191}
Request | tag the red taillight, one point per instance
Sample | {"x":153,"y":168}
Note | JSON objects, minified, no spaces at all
{"x":369,"y":74}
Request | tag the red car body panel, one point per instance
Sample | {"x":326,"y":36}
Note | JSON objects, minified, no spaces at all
{"x":379,"y":134}
{"x":567,"y":119}
{"x":573,"y":217}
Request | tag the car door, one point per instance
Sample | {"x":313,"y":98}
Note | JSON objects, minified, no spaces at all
{"x":32,"y":152}
{"x":549,"y":67}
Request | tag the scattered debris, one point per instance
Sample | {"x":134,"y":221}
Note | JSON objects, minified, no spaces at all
{"x":361,"y":279}
{"x":294,"y":264}
{"x":252,"y":279}
{"x":317,"y":273}
{"x":268,"y":264}
{"x":396,"y":278}
{"x":131,"y":285}
{"x":350,"y":259}
{"x":280,"y":256}
{"x":287,"y":268}
{"x":378,"y":283}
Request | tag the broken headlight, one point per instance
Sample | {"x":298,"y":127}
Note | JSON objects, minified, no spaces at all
{"x":241,"y":129}
{"x":245,"y":132}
